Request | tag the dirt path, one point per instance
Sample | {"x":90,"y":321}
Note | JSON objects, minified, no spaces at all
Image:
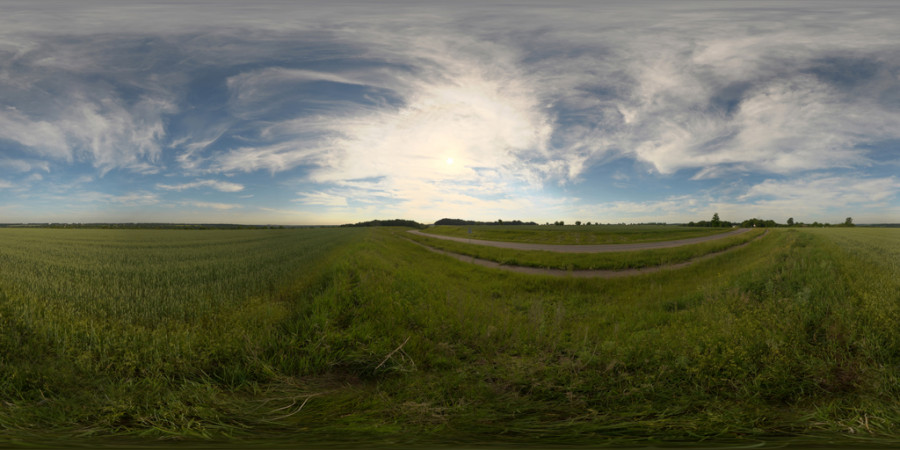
{"x":603,"y":248}
{"x":581,"y":273}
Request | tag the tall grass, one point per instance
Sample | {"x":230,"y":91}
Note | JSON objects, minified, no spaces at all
{"x":361,"y":335}
{"x":133,"y":322}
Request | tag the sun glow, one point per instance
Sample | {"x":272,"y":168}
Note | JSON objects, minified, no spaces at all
{"x":449,"y":161}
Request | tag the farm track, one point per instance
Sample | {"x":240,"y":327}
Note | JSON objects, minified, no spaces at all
{"x":588,"y":273}
{"x":598,"y":248}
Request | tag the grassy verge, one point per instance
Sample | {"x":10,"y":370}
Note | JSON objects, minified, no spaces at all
{"x":588,"y":261}
{"x":580,"y":234}
{"x":370,"y":338}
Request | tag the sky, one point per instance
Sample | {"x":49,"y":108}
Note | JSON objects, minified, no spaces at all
{"x":317,"y":112}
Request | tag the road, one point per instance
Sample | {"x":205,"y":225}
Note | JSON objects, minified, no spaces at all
{"x":602,"y":248}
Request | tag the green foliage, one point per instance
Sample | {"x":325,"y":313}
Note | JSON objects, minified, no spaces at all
{"x":387,"y":223}
{"x":462,"y":222}
{"x":758,"y":223}
{"x":359,"y":335}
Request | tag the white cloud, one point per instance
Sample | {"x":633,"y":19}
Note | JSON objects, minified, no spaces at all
{"x":824,"y":192}
{"x":42,"y":137}
{"x":133,"y":199}
{"x":786,"y":122}
{"x":274,"y":158}
{"x":102,"y":131}
{"x":674,"y":209}
{"x":821,"y":197}
{"x":489,"y":122}
{"x":321,"y":199}
{"x":23,"y":165}
{"x":136,"y":198}
{"x":210,"y":205}
{"x":727,"y":99}
{"x":249,"y":88}
{"x":223,"y":186}
{"x":190,"y":159}
{"x":6,"y":184}
{"x":114,"y":136}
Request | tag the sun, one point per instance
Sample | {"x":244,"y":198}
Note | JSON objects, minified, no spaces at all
{"x":449,"y":161}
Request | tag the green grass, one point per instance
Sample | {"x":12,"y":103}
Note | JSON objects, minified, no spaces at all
{"x":295,"y":336}
{"x":588,"y":261}
{"x":572,"y":234}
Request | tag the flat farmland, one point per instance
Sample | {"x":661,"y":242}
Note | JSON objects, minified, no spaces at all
{"x":348,"y":335}
{"x":569,"y":235}
{"x":589,"y":261}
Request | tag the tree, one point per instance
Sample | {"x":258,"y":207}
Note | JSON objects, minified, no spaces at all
{"x":848,"y":222}
{"x":790,"y":221}
{"x":715,"y":220}
{"x":578,"y":222}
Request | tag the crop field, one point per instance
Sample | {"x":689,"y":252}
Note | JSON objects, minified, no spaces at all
{"x":589,"y":261}
{"x":582,"y":234}
{"x":352,"y":335}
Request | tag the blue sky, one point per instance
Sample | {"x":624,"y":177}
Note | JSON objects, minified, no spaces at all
{"x":335,"y":112}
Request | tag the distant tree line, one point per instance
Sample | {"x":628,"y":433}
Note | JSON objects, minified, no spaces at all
{"x":715,"y":222}
{"x":386,"y":223}
{"x":764,"y":223}
{"x":475,"y":222}
{"x":151,"y":226}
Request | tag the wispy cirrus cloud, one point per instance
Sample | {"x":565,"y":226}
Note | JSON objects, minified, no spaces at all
{"x":222,"y":186}
{"x":825,"y":191}
{"x":722,"y":102}
{"x":24,"y":165}
{"x":211,"y":205}
{"x":93,"y":198}
{"x":321,"y":199}
{"x":102,"y":131}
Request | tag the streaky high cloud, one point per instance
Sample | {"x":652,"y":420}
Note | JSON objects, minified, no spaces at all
{"x":322,"y":199}
{"x":826,"y":191}
{"x":211,"y":205}
{"x":24,"y":165}
{"x":223,"y":186}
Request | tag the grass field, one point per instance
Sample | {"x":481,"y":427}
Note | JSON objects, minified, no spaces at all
{"x":575,"y":234}
{"x":357,"y":335}
{"x":588,"y":261}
